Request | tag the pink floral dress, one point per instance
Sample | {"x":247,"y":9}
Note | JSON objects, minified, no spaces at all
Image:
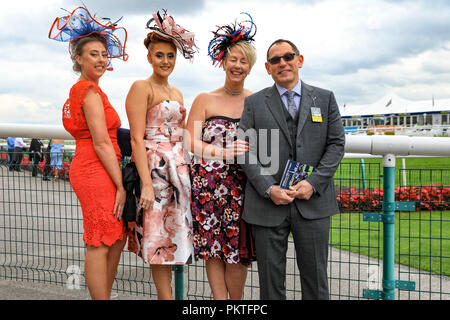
{"x":163,"y":235}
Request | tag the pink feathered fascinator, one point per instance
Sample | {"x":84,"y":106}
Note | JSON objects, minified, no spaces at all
{"x":165,"y":26}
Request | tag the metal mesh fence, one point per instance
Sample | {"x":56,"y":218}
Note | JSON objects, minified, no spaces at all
{"x":423,"y":237}
{"x":41,"y":231}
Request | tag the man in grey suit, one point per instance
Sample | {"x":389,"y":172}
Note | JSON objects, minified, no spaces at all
{"x":291,"y":120}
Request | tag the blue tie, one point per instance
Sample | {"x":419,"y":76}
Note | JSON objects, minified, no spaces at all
{"x":292,"y":108}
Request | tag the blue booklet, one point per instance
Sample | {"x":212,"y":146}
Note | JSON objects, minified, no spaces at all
{"x":294,"y":172}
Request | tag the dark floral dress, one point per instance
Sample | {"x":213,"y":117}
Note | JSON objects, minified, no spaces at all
{"x":217,"y":196}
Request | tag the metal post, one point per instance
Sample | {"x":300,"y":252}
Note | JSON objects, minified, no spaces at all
{"x":179,"y":282}
{"x":388,"y":226}
{"x":388,"y":219}
{"x":363,"y":173}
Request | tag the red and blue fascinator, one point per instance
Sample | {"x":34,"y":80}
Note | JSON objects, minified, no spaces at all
{"x":80,"y":23}
{"x":164,"y":25}
{"x":227,"y":35}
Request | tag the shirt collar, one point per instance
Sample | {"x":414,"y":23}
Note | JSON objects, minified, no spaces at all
{"x":297,"y":89}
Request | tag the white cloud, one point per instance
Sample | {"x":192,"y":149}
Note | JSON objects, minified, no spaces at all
{"x":23,"y":109}
{"x":417,"y":77}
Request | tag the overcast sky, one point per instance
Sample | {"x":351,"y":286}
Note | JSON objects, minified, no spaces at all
{"x":360,"y":49}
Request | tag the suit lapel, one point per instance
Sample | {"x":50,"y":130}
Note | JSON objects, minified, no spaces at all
{"x":275,"y":105}
{"x":305,"y":106}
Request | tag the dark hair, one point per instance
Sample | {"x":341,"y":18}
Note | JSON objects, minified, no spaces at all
{"x":294,"y":47}
{"x":76,"y":47}
{"x":153,"y":37}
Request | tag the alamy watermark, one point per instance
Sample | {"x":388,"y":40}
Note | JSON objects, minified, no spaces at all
{"x":373,"y":280}
{"x":74,"y":275}
{"x":264,"y":147}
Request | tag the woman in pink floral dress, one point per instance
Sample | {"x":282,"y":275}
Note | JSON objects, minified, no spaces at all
{"x":162,"y":234}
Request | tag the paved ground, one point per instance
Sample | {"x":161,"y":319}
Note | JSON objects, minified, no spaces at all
{"x":42,"y":253}
{"x":18,"y":290}
{"x":345,"y":283}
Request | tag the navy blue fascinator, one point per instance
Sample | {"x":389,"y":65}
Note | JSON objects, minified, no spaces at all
{"x":80,"y":23}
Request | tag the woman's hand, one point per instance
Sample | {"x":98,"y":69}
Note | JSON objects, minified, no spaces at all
{"x":237,"y":148}
{"x":121,"y":195}
{"x":147,"y":197}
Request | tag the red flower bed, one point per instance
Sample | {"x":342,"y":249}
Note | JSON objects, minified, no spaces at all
{"x":434,"y":197}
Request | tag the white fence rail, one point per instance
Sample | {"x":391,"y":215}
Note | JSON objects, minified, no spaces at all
{"x":368,"y":145}
{"x":34,"y":131}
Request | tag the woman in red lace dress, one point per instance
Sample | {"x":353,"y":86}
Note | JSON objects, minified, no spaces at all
{"x":95,"y":173}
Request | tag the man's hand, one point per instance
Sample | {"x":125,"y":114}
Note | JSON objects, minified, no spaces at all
{"x":280,"y":196}
{"x":302,"y":190}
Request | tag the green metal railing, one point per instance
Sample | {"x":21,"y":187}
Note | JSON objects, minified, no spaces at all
{"x":375,"y":250}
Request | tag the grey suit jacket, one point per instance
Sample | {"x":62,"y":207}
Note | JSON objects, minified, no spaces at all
{"x":319,"y":144}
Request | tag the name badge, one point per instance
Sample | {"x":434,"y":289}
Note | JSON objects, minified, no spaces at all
{"x":316,"y":114}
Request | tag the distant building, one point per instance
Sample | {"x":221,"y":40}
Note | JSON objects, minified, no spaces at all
{"x":395,"y":115}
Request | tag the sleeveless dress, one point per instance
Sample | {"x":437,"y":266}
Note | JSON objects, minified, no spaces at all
{"x":217,"y":196}
{"x":163,"y":234}
{"x":89,"y":179}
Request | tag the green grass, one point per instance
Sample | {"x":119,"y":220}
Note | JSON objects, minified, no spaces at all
{"x":422,"y":239}
{"x":350,"y":172}
{"x":412,"y":163}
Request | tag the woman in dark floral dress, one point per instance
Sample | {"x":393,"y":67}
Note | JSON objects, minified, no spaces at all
{"x":217,"y":181}
{"x":217,"y":196}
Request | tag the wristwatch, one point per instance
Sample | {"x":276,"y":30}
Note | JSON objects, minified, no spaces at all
{"x":267,"y":193}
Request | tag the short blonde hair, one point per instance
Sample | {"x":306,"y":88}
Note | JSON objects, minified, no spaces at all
{"x":247,"y":48}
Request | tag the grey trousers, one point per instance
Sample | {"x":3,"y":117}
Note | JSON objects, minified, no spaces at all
{"x":311,"y":246}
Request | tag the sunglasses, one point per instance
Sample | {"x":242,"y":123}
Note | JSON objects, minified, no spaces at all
{"x":286,"y":57}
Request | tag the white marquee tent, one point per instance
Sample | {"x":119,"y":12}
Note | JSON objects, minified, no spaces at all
{"x":393,"y":104}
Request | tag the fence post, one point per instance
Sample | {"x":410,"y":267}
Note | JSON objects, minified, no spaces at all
{"x":388,"y":219}
{"x":179,"y":282}
{"x":388,"y":226}
{"x":363,"y":174}
{"x":404,"y":170}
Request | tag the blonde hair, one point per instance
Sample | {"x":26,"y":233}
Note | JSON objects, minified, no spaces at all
{"x":247,"y":49}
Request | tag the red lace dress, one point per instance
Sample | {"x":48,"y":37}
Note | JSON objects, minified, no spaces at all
{"x":89,"y":179}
